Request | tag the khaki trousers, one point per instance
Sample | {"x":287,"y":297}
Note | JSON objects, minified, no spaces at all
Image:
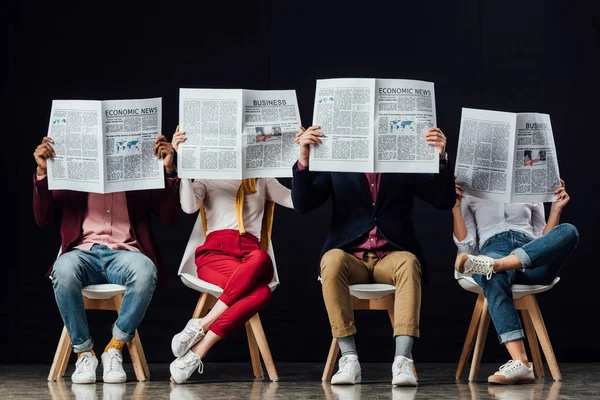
{"x":399,"y":268}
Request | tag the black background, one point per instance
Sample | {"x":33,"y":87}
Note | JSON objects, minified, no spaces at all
{"x":511,"y":55}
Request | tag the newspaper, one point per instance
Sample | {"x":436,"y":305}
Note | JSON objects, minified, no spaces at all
{"x":236,"y":133}
{"x":374,"y":125}
{"x":507,"y":157}
{"x":105,"y":146}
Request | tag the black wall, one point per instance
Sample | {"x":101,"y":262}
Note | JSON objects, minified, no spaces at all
{"x":512,"y":55}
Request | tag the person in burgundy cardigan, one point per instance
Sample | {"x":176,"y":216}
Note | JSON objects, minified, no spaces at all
{"x":106,"y":238}
{"x":371,"y":240}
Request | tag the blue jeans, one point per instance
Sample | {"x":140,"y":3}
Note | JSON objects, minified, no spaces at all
{"x":100,"y":264}
{"x":541,"y":259}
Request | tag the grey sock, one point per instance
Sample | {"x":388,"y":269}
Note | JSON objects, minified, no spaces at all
{"x":404,"y":345}
{"x":347,"y":345}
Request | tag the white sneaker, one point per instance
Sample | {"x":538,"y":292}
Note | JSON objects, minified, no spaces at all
{"x":112,"y":363}
{"x":402,"y":372}
{"x":513,"y":372}
{"x":183,"y":367}
{"x":189,"y":336}
{"x":348,"y":372}
{"x":85,"y":368}
{"x":470,"y":264}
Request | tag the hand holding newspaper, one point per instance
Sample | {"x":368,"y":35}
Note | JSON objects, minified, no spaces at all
{"x":236,"y":134}
{"x":374,"y":125}
{"x":105,"y":146}
{"x":507,"y":157}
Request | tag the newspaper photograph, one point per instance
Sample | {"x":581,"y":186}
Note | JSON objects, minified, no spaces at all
{"x":405,"y":110}
{"x":105,"y":146}
{"x":536,"y":165}
{"x":271,"y":121}
{"x":344,"y":109}
{"x":507,"y":157}
{"x":237,"y":134}
{"x":211,"y":120}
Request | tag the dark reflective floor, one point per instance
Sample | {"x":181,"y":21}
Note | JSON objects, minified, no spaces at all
{"x":298,"y":381}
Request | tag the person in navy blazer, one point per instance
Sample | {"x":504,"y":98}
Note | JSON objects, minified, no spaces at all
{"x":371,"y":240}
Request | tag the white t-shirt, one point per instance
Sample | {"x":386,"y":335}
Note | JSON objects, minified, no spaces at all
{"x":218,"y":198}
{"x":486,"y":218}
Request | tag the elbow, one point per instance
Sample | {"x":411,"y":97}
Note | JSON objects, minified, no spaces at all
{"x":188,"y":209}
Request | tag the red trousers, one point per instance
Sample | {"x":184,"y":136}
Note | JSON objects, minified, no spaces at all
{"x":236,"y":264}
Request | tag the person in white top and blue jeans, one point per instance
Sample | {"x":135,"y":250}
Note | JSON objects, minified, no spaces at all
{"x":516,"y":245}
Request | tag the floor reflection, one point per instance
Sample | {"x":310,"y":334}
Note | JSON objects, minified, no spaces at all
{"x":535,"y":391}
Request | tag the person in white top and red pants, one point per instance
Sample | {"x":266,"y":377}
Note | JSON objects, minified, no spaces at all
{"x":515,"y":245}
{"x":230,"y":258}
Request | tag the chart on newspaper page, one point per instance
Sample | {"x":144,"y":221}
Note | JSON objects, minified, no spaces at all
{"x":486,"y":153}
{"x":271,"y":121}
{"x":76,"y":128}
{"x":130,"y":130}
{"x":211,"y":120}
{"x":404,"y":111}
{"x":344,"y":109}
{"x":536,"y":173}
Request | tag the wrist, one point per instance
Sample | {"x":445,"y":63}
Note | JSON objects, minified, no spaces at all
{"x":41,"y":171}
{"x":456,"y":210}
{"x":170,"y":167}
{"x":303,"y":161}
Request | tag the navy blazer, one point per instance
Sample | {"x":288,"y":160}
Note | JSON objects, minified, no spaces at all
{"x":353,"y":213}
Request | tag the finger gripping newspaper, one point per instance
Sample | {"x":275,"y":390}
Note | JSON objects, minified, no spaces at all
{"x":236,"y":133}
{"x":507,"y":157}
{"x":105,"y":146}
{"x":374,"y":125}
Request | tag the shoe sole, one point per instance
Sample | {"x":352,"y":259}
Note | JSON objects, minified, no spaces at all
{"x":84,"y":382}
{"x":500,"y":380}
{"x":346,"y":383}
{"x":405,"y":384}
{"x":114,"y":380}
{"x":461,"y":259}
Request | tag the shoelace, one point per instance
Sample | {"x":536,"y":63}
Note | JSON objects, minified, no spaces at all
{"x":84,"y":364}
{"x":483,"y":267}
{"x":187,"y":335}
{"x":190,"y":361}
{"x":115,"y":362}
{"x":346,"y":364}
{"x":403,"y":367}
{"x":509,"y":366}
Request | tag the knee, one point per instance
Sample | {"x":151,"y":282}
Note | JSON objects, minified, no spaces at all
{"x":499,"y":280}
{"x":333,"y":263}
{"x":261,"y":259}
{"x":144,"y":276}
{"x":67,"y":271}
{"x":406,"y":263}
{"x":571,"y":233}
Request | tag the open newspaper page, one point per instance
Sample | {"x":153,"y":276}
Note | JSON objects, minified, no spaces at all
{"x":76,"y":128}
{"x":405,"y":110}
{"x":536,"y":165}
{"x":211,"y":120}
{"x":130,"y":128}
{"x":344,"y":109}
{"x":271,"y":121}
{"x":486,"y":153}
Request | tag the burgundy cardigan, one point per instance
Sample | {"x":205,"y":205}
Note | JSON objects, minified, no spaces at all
{"x":164,"y":203}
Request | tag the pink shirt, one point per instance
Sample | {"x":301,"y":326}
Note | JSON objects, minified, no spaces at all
{"x":374,"y":242}
{"x":107,"y":222}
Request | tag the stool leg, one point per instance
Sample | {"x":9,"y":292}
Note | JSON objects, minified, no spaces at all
{"x":334,"y":350}
{"x":484,"y":324}
{"x":470,"y":339}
